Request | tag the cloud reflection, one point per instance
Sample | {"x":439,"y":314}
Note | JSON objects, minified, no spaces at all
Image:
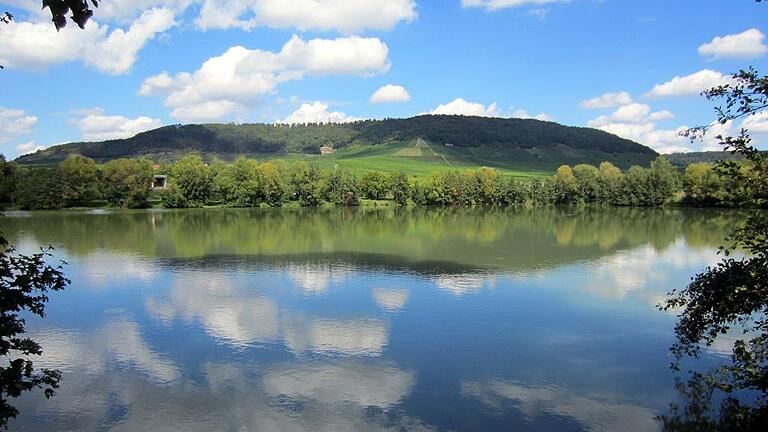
{"x":365,"y":384}
{"x":459,"y":285}
{"x":392,"y":300}
{"x":315,"y":278}
{"x":119,"y":341}
{"x":593,"y":412}
{"x":241,"y":318}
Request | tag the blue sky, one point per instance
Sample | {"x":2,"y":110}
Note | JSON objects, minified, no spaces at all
{"x":140,"y":64}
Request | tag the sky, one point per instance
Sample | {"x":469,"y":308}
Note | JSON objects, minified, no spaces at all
{"x":632,"y":68}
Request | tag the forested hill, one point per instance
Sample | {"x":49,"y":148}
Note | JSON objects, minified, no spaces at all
{"x":682,"y":160}
{"x":228,"y":140}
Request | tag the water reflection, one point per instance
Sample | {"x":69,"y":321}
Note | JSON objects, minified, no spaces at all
{"x":392,"y":300}
{"x":514,"y":239}
{"x":364,"y":320}
{"x":351,"y":382}
{"x":599,"y":412}
{"x":216,"y":305}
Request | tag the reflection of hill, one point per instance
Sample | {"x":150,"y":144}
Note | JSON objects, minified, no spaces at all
{"x":511,"y":239}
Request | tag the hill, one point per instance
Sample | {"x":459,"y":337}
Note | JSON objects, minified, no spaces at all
{"x":519,"y":144}
{"x":682,"y":160}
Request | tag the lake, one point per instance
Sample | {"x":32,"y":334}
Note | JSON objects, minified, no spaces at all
{"x":363,"y":319}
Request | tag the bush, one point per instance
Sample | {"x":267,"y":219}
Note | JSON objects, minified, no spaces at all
{"x":127,"y":182}
{"x":80,"y":181}
{"x":341,"y":188}
{"x":374,"y":185}
{"x":193,"y":179}
{"x":399,"y":187}
{"x":39,"y":189}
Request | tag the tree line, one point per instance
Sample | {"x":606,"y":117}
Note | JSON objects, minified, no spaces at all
{"x":80,"y":182}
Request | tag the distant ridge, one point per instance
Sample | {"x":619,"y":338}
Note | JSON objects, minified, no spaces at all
{"x":682,"y":160}
{"x":227,"y":141}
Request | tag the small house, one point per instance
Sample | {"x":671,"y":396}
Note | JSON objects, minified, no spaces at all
{"x":324,"y":150}
{"x":159,"y":182}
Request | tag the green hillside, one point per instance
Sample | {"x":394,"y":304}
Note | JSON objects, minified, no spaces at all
{"x":419,"y":158}
{"x":419,"y":145}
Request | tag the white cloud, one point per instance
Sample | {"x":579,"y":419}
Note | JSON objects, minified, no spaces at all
{"x":608,"y":100}
{"x":689,"y":85}
{"x":757,"y":123}
{"x":661,"y":115}
{"x":316,"y":112}
{"x":634,"y":113}
{"x":240,"y":76}
{"x":523,"y":114}
{"x":460,"y":106}
{"x":390,"y":93}
{"x":745,"y":45}
{"x":636,"y":122}
{"x":345,"y":16}
{"x":28,"y":147}
{"x":37,"y":45}
{"x":96,"y":126}
{"x":15,"y":123}
{"x":492,"y":5}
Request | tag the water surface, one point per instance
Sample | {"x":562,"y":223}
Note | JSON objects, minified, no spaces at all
{"x":362,"y":319}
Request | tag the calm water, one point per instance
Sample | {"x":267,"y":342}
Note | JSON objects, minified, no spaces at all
{"x":336,"y":320}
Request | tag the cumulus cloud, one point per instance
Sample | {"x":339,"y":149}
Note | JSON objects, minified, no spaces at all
{"x":608,"y":100}
{"x":745,"y":45}
{"x":757,"y":123}
{"x":240,"y":76}
{"x":492,"y":5}
{"x":316,"y":112}
{"x":345,"y":16}
{"x":37,"y":45}
{"x":95,"y":125}
{"x":460,"y":106}
{"x":689,"y":85}
{"x":635,"y":113}
{"x":636,"y":122}
{"x":15,"y":123}
{"x":28,"y":147}
{"x":523,"y":114}
{"x":390,"y":93}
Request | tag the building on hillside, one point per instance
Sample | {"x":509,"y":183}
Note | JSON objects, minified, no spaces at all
{"x":324,"y":150}
{"x":159,"y":182}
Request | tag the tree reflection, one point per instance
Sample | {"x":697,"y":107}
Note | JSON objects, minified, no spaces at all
{"x":511,"y":238}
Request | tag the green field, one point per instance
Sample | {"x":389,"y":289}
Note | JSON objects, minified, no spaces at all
{"x":417,"y":159}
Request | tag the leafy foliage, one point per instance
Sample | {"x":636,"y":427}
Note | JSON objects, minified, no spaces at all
{"x":193,"y":180}
{"x":81,"y":11}
{"x":39,"y":189}
{"x":401,"y":188}
{"x":126,"y":182}
{"x":732,"y":296}
{"x":25,"y":282}
{"x":7,"y":179}
{"x":79,"y":180}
